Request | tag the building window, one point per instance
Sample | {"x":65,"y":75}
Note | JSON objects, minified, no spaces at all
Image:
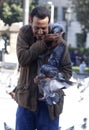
{"x":55,"y":13}
{"x":63,"y":13}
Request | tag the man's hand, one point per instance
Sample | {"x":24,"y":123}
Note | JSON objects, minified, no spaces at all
{"x":51,"y":39}
{"x":12,"y":94}
{"x":36,"y":80}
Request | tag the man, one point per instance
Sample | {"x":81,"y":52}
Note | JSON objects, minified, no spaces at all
{"x":33,"y":41}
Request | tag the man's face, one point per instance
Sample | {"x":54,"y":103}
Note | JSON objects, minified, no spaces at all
{"x":40,"y":27}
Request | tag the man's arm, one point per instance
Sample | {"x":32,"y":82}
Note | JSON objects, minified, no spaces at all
{"x":27,"y":50}
{"x":27,"y":53}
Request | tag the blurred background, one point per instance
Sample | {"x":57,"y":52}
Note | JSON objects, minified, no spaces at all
{"x":72,"y":14}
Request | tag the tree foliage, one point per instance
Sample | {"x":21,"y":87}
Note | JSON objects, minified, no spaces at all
{"x":11,"y":12}
{"x":33,"y":4}
{"x":82,"y":12}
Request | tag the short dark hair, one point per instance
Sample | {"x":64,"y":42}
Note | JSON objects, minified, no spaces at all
{"x":40,"y":12}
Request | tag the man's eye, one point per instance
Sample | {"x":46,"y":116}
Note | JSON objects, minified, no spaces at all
{"x":38,"y":28}
{"x":44,"y":28}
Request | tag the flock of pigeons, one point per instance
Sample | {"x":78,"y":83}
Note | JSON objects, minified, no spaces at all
{"x":82,"y":84}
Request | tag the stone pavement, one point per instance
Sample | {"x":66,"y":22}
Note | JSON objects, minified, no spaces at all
{"x":7,"y":110}
{"x":8,"y":105}
{"x":9,"y":61}
{"x":76,"y":102}
{"x":11,"y":58}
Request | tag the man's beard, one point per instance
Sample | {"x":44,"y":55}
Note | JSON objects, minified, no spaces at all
{"x":40,"y":37}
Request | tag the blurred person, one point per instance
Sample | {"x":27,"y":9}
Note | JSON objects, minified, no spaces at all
{"x":75,"y":57}
{"x":85,"y":58}
{"x":82,"y":67}
{"x":5,"y":38}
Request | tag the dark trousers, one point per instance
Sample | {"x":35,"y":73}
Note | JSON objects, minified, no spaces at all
{"x":40,"y":120}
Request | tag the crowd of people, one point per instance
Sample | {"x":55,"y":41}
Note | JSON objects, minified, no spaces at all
{"x":79,"y":59}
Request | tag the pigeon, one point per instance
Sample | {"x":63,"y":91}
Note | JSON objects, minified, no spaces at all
{"x":6,"y":127}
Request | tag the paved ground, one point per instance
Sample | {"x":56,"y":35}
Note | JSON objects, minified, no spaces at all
{"x":7,"y":111}
{"x":7,"y":104}
{"x":76,"y":106}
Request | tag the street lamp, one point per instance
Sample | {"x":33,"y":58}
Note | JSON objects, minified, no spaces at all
{"x":52,"y":11}
{"x":26,"y":12}
{"x":68,"y":20}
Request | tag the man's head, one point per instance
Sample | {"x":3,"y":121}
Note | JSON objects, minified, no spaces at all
{"x":39,"y":21}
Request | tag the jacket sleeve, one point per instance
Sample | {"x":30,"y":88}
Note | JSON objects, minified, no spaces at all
{"x":26,"y":52}
{"x":66,"y":64}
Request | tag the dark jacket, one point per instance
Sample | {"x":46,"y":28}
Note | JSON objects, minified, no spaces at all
{"x":28,"y":51}
{"x":53,"y":67}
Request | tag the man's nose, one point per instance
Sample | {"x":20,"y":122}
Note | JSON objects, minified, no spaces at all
{"x":40,"y":31}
